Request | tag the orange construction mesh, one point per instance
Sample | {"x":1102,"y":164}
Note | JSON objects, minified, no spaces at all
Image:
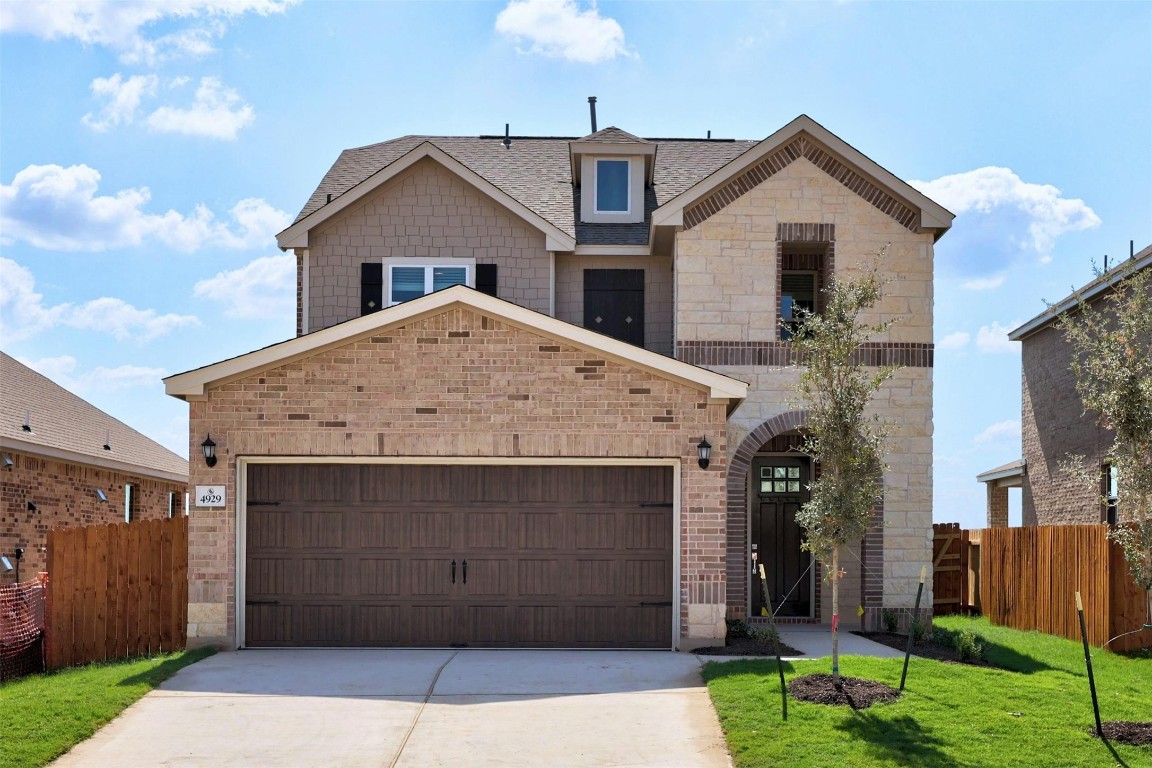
{"x":21,"y":629}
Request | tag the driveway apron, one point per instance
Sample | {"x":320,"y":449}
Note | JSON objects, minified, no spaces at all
{"x":403,"y":709}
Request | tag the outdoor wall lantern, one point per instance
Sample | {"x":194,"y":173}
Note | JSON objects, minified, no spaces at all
{"x":704,"y":450}
{"x":8,"y":463}
{"x":32,"y":507}
{"x":103,"y":497}
{"x":209,"y":448}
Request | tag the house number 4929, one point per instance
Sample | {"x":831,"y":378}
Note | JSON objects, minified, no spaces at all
{"x":209,"y":495}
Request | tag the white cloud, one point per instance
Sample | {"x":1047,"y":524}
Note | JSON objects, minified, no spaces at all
{"x":1000,"y":432}
{"x":217,"y":113}
{"x":957,"y":340}
{"x":1040,"y":209}
{"x":121,"y":99}
{"x":988,"y":283}
{"x":265,"y":288}
{"x":994,"y":338}
{"x":58,"y":208}
{"x":23,"y":313}
{"x":121,"y":24}
{"x":559,"y":29}
{"x":62,"y":370}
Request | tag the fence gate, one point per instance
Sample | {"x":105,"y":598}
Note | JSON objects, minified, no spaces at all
{"x":949,"y":569}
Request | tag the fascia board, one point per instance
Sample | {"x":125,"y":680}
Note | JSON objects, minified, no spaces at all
{"x":613,"y":250}
{"x":194,"y":383}
{"x":1087,"y":294}
{"x":296,"y":236}
{"x":75,"y":457}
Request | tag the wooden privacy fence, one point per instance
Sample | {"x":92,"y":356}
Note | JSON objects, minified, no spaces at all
{"x":116,"y":591}
{"x":1030,"y":576}
{"x":950,"y":586}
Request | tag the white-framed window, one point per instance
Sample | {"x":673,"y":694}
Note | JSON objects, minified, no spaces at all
{"x":409,"y":279}
{"x":173,"y":504}
{"x":187,"y":503}
{"x":129,"y":502}
{"x":613,"y":186}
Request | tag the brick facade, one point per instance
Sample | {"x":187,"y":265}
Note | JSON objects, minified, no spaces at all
{"x":65,"y":497}
{"x":427,"y":212}
{"x":461,"y":384}
{"x":1052,"y":426}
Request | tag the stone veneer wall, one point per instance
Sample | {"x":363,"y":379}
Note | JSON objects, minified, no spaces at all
{"x":65,"y":496}
{"x":726,"y":300}
{"x":460,"y":384}
{"x":426,"y":213}
{"x":657,"y":292}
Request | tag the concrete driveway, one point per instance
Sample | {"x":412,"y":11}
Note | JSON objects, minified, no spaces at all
{"x":419,"y":708}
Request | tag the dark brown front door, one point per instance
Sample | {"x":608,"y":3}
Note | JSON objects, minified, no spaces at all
{"x":478,"y":556}
{"x":779,"y":489}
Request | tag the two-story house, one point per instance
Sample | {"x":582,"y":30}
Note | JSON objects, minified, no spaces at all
{"x":541,"y":396}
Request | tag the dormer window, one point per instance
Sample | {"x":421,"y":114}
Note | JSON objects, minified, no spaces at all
{"x":612,"y":186}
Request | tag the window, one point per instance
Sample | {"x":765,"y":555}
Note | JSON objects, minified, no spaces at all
{"x":797,"y":297}
{"x":173,"y":504}
{"x":129,"y":502}
{"x":780,"y":480}
{"x":411,"y":281}
{"x":1110,"y":485}
{"x":612,"y":186}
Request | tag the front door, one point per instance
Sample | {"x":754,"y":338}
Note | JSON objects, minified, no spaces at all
{"x":779,"y":489}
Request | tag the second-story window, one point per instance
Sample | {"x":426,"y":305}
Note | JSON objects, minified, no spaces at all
{"x":612,"y":186}
{"x":797,"y":298}
{"x":804,"y":270}
{"x":407,"y":282}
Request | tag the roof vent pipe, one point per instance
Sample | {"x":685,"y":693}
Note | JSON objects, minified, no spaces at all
{"x":507,"y":139}
{"x":592,"y":109}
{"x":709,"y":134}
{"x":329,"y":198}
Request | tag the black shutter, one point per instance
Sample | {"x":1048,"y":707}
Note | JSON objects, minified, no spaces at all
{"x":371,"y":288}
{"x":486,"y":279}
{"x":614,"y":303}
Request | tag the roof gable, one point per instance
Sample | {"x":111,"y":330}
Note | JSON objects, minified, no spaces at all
{"x":612,"y":135}
{"x":806,"y":138}
{"x":70,"y":428}
{"x":194,"y":384}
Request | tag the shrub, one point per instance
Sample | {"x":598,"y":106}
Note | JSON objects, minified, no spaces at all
{"x":891,"y":620}
{"x":919,"y":629}
{"x":737,"y":629}
{"x":764,"y":635}
{"x":968,"y":646}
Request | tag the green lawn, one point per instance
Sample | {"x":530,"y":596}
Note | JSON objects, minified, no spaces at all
{"x":43,"y":716}
{"x":949,"y":715}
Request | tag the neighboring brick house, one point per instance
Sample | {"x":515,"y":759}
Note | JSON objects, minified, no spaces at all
{"x":65,"y":463}
{"x":1054,"y":424}
{"x":511,"y":352}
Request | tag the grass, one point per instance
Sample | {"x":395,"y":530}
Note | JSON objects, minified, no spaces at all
{"x":1040,"y":713}
{"x":43,"y":716}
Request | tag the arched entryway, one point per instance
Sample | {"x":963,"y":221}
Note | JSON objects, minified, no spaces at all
{"x":779,"y":437}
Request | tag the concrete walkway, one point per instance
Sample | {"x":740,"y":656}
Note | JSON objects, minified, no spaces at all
{"x":419,"y":708}
{"x":815,"y":641}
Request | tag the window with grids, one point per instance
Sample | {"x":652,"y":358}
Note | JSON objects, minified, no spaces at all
{"x":780,"y":480}
{"x":411,"y":282}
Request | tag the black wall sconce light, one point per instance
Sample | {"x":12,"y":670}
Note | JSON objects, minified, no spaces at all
{"x":704,"y":452}
{"x":32,"y":507}
{"x":209,"y":449}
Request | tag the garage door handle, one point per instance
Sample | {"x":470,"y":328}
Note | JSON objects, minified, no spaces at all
{"x":465,"y":571}
{"x":261,"y":602}
{"x":453,"y":571}
{"x":658,"y":603}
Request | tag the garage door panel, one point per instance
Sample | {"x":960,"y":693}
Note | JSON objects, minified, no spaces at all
{"x":380,"y":577}
{"x":555,"y":557}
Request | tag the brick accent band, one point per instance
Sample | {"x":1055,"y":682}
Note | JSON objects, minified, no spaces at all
{"x":780,"y":353}
{"x":802,"y":146}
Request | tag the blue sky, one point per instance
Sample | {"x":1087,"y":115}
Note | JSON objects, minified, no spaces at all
{"x":150,"y":151}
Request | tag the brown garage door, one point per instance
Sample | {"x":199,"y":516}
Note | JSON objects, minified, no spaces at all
{"x":477,"y":556}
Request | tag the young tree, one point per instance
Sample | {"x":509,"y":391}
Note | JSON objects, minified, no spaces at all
{"x":1112,"y":363}
{"x":847,"y":443}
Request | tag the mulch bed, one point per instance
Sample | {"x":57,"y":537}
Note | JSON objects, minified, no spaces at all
{"x":746,"y":646}
{"x":925,"y":648}
{"x":1126,"y":732}
{"x":852,"y":692}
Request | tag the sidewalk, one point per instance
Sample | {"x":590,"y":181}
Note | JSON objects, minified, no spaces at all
{"x":815,"y":640}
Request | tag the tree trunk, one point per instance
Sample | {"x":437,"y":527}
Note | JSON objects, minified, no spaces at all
{"x":836,"y":616}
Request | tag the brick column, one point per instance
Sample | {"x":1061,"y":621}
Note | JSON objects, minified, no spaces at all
{"x":997,"y":506}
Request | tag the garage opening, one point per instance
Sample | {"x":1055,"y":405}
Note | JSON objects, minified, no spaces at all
{"x":402,"y":555}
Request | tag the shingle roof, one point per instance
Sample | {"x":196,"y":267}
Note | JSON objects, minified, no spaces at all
{"x":537,"y":172}
{"x":612,"y":135}
{"x":63,"y":422}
